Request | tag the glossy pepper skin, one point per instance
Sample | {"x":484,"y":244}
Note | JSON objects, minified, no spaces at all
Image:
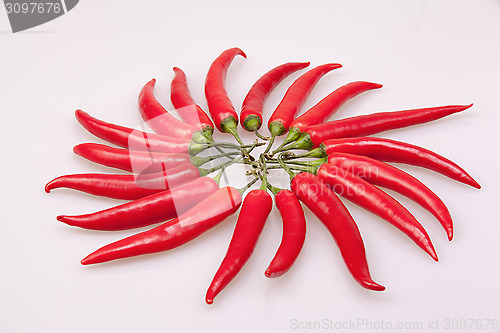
{"x":187,"y":108}
{"x":159,"y":119}
{"x":334,"y":215}
{"x":129,"y":160}
{"x":294,"y":233}
{"x":254,"y":212}
{"x":400,"y":152}
{"x":125,"y":187}
{"x":193,"y":223}
{"x":251,"y":109}
{"x":219,"y":105}
{"x":378,"y":202}
{"x":154,"y":208}
{"x":327,"y":107}
{"x":376,"y":123}
{"x":295,"y":97}
{"x":129,"y":138}
{"x":385,"y":175}
{"x":331,"y":103}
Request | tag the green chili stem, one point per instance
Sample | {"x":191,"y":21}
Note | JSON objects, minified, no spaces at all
{"x":293,"y":135}
{"x":270,"y":144}
{"x":310,"y":163}
{"x":253,"y":147}
{"x":247,"y":186}
{"x":260,"y":136}
{"x":286,"y":167}
{"x":273,"y":189}
{"x":316,"y":152}
{"x":220,"y":150}
{"x":204,"y":172}
{"x":218,"y":176}
{"x":199,"y":161}
{"x":264,"y":173}
{"x":310,"y":169}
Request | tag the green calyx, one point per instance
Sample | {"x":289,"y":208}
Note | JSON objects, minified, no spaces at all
{"x":304,"y":142}
{"x":207,"y":132}
{"x":230,"y":125}
{"x":199,"y":137}
{"x":252,"y":123}
{"x":293,"y":134}
{"x":276,"y":128}
{"x":195,"y":148}
{"x":314,"y":153}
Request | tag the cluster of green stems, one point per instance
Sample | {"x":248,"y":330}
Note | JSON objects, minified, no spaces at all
{"x":240,"y":153}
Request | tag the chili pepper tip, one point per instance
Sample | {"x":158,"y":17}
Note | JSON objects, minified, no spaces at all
{"x":51,"y":185}
{"x":432,"y":253}
{"x":372,"y":285}
{"x":475,"y":184}
{"x":90,"y":259}
{"x":240,"y":52}
{"x":270,"y":274}
{"x":66,"y":219}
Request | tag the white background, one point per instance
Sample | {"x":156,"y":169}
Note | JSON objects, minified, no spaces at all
{"x":97,"y":57}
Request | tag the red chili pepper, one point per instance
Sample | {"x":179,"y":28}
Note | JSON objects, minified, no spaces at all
{"x":199,"y":219}
{"x":220,"y":106}
{"x":371,"y":124}
{"x":294,"y":233}
{"x":326,"y":107}
{"x":395,"y":151}
{"x":187,"y":108}
{"x":160,"y":120}
{"x":378,"y":202}
{"x":154,"y":208}
{"x":295,"y":97}
{"x":129,"y":138}
{"x":334,"y":215}
{"x":254,"y":212}
{"x":251,"y":110}
{"x":385,"y":175}
{"x":129,"y":160}
{"x":126,"y":187}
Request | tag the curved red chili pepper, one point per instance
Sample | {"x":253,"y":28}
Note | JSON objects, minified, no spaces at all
{"x":199,"y":219}
{"x":159,"y":119}
{"x":400,"y":152}
{"x":327,"y":107}
{"x":334,"y":215}
{"x":154,"y":208}
{"x":254,"y":212}
{"x":331,"y":103}
{"x":251,"y":110}
{"x":126,"y":187}
{"x":187,"y":108}
{"x":129,"y":138}
{"x":129,"y":160}
{"x":294,"y":233}
{"x":378,"y":202}
{"x":219,"y":105}
{"x":294,"y":98}
{"x":385,"y":175}
{"x":372,"y":124}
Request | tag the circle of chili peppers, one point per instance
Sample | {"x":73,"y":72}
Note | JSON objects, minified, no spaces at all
{"x":168,"y":184}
